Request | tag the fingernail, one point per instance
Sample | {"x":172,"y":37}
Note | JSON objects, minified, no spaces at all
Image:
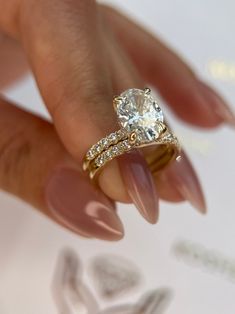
{"x":80,"y":206}
{"x":182,"y":176}
{"x":220,"y":108}
{"x":140,"y":185}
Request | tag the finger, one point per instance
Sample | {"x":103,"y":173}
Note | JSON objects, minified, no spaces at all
{"x":77,"y":115}
{"x":175,"y":184}
{"x":60,"y":68}
{"x":135,"y":173}
{"x":180,"y":181}
{"x":189,"y":98}
{"x":35,"y":167}
{"x":63,"y":43}
{"x":13,"y":63}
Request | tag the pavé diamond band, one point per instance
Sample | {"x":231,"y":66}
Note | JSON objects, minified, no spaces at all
{"x":142,"y":124}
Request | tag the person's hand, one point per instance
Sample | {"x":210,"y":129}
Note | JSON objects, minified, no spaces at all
{"x":82,"y":54}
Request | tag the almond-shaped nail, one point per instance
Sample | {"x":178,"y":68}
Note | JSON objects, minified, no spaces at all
{"x":220,"y":107}
{"x":181,"y":175}
{"x":140,"y":185}
{"x":82,"y":207}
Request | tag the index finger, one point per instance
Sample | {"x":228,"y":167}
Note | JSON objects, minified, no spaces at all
{"x":64,"y":45}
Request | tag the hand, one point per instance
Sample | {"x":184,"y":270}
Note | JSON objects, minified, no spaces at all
{"x":82,"y":54}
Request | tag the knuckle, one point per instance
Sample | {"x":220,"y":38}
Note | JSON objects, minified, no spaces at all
{"x":14,"y":154}
{"x":82,"y":95}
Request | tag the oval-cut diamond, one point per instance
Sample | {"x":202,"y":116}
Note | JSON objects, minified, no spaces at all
{"x":139,"y":111}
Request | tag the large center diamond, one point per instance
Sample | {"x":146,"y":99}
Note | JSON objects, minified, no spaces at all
{"x":139,"y":112}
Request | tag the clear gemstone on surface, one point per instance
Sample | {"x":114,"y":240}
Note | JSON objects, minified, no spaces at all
{"x":89,"y":155}
{"x":104,"y":142}
{"x":97,"y":148}
{"x":140,"y":112}
{"x":114,"y":150}
{"x":121,"y":146}
{"x":112,"y":137}
{"x":126,"y":144}
{"x":107,"y":154}
{"x":121,"y":134}
{"x":99,"y":160}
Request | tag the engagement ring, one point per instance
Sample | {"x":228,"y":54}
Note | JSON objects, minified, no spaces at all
{"x":141,"y":124}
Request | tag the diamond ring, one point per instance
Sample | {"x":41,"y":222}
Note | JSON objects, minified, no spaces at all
{"x":141,"y":124}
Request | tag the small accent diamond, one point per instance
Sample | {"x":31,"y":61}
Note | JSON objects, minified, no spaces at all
{"x":112,"y":137}
{"x":99,"y":161}
{"x":114,"y":150}
{"x":104,"y":143}
{"x":107,"y":154}
{"x":97,"y":148}
{"x":121,"y":146}
{"x":126,"y":144}
{"x":89,"y":155}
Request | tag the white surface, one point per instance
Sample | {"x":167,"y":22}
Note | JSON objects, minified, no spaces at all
{"x":29,"y":243}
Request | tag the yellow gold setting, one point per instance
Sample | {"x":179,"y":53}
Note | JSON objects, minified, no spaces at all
{"x":126,"y":138}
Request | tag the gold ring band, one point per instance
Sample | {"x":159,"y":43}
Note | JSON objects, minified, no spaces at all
{"x":140,"y":134}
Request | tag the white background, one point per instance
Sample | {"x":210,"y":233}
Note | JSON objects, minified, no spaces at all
{"x":29,"y":244}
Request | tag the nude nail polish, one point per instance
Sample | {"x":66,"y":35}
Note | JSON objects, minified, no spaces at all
{"x":140,"y":185}
{"x":82,"y":207}
{"x":220,"y":108}
{"x":182,"y":176}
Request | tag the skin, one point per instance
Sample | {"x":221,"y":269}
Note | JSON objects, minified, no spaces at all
{"x":82,"y":54}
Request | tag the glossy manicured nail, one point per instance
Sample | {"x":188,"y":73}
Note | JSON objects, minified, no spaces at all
{"x":140,"y":185}
{"x":82,"y":207}
{"x":182,"y":176}
{"x":220,"y":108}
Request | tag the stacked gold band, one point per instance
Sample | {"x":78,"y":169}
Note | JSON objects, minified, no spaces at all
{"x":120,"y":142}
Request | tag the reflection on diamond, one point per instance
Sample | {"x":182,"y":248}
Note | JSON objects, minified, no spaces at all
{"x":140,"y":112}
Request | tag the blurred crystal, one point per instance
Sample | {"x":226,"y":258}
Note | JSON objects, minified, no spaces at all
{"x":152,"y":302}
{"x":114,"y":276}
{"x":72,"y":296}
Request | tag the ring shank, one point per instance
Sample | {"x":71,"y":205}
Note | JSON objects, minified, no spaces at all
{"x":160,"y":157}
{"x":163,"y":150}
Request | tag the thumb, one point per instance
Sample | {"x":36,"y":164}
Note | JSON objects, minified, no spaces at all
{"x":35,"y":167}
